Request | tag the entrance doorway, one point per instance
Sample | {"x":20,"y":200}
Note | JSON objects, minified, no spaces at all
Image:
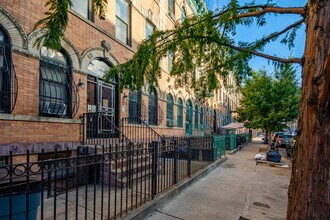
{"x":102,"y":97}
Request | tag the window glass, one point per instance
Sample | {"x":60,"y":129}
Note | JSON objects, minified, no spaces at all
{"x":149,"y":29}
{"x":122,"y":12}
{"x":196,"y":117}
{"x":183,"y":14}
{"x":83,"y":7}
{"x":121,"y":31}
{"x":169,"y":110}
{"x":170,"y":60}
{"x":171,"y":8}
{"x":98,"y":68}
{"x":134,"y":110}
{"x":55,"y":84}
{"x":153,"y":107}
{"x":180,"y":112}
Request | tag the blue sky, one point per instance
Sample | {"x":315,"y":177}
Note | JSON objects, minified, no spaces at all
{"x":274,"y":23}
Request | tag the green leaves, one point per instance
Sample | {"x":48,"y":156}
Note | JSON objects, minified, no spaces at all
{"x":268,"y":101}
{"x":56,"y":21}
{"x":54,"y":24}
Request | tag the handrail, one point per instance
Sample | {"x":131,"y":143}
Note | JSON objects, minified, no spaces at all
{"x":134,"y":122}
{"x":98,"y":129}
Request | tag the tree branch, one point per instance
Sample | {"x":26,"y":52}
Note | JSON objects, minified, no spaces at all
{"x":275,"y":34}
{"x":277,"y":10}
{"x":256,"y":53}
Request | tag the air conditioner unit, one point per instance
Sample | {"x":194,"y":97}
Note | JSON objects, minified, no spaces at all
{"x":52,"y":108}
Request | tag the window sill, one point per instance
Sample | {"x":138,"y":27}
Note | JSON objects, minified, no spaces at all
{"x":11,"y":117}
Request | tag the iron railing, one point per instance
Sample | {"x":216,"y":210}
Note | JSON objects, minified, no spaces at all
{"x":8,"y":79}
{"x":93,"y":183}
{"x":99,"y":129}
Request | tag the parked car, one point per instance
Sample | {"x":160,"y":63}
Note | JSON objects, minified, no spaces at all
{"x":290,"y":147}
{"x":283,"y":140}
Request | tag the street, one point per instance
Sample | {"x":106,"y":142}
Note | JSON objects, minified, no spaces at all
{"x":238,"y":189}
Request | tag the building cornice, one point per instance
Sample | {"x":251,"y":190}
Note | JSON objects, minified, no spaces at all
{"x":198,"y":6}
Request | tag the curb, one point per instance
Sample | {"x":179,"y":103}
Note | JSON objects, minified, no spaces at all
{"x":168,"y":194}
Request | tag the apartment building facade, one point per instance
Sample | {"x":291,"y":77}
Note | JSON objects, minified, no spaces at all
{"x":43,"y":93}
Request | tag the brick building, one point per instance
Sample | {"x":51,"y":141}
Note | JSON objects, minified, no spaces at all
{"x":43,"y":93}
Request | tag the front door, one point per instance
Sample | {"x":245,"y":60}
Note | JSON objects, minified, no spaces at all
{"x":107,"y":106}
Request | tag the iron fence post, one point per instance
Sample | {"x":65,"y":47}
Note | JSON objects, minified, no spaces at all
{"x":175,"y":168}
{"x":154,"y":168}
{"x":189,"y":159}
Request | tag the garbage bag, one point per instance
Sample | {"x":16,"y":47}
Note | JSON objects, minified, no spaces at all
{"x":273,"y":156}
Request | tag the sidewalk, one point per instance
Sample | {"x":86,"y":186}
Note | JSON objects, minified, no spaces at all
{"x":238,"y":189}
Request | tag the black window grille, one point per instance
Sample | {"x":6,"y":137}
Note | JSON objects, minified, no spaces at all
{"x":153,"y":107}
{"x":134,"y":110}
{"x":58,"y":96}
{"x":201,"y":118}
{"x":8,"y":80}
{"x":169,"y":111}
{"x":196,"y":117}
{"x":180,"y":113}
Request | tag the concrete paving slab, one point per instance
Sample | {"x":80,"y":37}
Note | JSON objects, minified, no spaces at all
{"x":237,"y":188}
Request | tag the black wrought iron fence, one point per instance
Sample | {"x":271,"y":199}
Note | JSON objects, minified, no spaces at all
{"x":93,"y":183}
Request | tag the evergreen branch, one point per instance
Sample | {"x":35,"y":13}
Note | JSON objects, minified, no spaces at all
{"x":55,"y":23}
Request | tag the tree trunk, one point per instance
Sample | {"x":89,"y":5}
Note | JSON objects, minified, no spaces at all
{"x":309,"y":191}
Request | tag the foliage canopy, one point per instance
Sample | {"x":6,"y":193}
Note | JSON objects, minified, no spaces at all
{"x":267,"y":100}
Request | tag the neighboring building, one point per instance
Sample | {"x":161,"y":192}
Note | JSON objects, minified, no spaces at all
{"x":43,"y":93}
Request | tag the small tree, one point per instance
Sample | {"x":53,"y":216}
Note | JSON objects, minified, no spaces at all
{"x":268,"y":101}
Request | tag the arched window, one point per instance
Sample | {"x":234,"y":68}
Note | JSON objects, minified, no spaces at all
{"x":180,"y":112}
{"x":153,"y":107}
{"x":169,"y":110}
{"x":56,"y":97}
{"x":134,"y":111}
{"x":196,"y":117}
{"x":201,"y":118}
{"x":5,"y":72}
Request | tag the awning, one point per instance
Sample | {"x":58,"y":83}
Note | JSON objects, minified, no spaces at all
{"x":233,"y":125}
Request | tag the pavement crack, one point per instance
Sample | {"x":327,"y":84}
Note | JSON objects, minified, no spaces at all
{"x":173,"y":216}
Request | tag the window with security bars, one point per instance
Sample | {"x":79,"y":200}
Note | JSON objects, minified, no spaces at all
{"x":206,"y":117}
{"x":153,"y":108}
{"x":169,"y":111}
{"x":56,"y":86}
{"x":201,"y":118}
{"x":180,"y":112}
{"x":5,"y":56}
{"x":171,"y":8}
{"x":196,"y":117}
{"x":134,"y":108}
{"x":123,"y":21}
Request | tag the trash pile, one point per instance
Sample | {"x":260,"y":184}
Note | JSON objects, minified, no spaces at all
{"x":271,"y":155}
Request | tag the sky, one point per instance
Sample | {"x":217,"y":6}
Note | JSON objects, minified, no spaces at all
{"x":274,"y":23}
